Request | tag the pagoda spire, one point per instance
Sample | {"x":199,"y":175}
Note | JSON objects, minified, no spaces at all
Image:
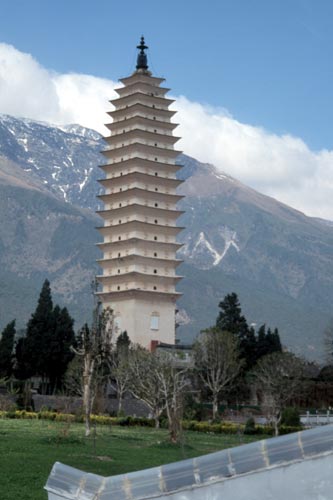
{"x":141,"y":62}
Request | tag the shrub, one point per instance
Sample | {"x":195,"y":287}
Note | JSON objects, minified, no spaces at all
{"x":250,"y":426}
{"x":290,"y":417}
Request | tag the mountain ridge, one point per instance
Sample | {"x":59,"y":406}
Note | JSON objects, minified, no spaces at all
{"x":276,"y":258}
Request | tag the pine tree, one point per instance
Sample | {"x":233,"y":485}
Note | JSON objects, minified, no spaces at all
{"x":39,"y":333}
{"x":45,"y":351}
{"x":60,"y":353}
{"x":230,"y":318}
{"x":6,"y":350}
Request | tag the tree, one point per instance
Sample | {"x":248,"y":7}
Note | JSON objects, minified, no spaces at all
{"x":94,"y":346}
{"x":217,"y":362}
{"x":45,"y":350}
{"x":230,"y":318}
{"x":160,"y":383}
{"x":60,"y":353}
{"x":173,"y":381}
{"x":6,"y":350}
{"x":118,"y":367}
{"x":143,"y":383}
{"x":251,"y":346}
{"x":34,"y":349}
{"x":267,"y":342}
{"x":278,"y":377}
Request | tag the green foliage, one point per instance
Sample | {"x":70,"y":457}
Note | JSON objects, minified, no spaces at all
{"x":123,"y":342}
{"x":290,"y":417}
{"x":250,"y":426}
{"x":46,"y":349}
{"x":230,"y":318}
{"x":252,"y":345}
{"x":6,"y":350}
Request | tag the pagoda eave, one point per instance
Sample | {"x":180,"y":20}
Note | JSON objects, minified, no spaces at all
{"x":140,"y":294}
{"x":144,"y":161}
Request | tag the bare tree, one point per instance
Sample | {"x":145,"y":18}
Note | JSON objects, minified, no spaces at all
{"x":119,"y":374}
{"x":278,"y":378}
{"x":158,"y":380}
{"x":95,"y":345}
{"x":173,"y":381}
{"x":144,"y":385}
{"x":217,"y":362}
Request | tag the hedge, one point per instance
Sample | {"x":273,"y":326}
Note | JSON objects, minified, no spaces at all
{"x":191,"y":425}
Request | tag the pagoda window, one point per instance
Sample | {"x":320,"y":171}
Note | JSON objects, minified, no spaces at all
{"x":119,"y":238}
{"x":155,"y":130}
{"x":156,"y":189}
{"x":119,"y":204}
{"x":154,"y":321}
{"x":155,"y":254}
{"x":156,"y":221}
{"x":119,"y":254}
{"x":156,"y":173}
{"x":118,"y":271}
{"x":156,"y":144}
{"x":155,"y":271}
{"x":154,"y":117}
{"x":156,"y":204}
{"x":155,"y":288}
{"x":119,"y":222}
{"x":155,"y":159}
{"x":118,"y":287}
{"x":153,"y":105}
{"x":155,"y":238}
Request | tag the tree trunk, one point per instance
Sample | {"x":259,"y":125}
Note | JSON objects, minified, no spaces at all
{"x":157,"y":421}
{"x":87,"y":392}
{"x":215,"y":407}
{"x":120,"y":402}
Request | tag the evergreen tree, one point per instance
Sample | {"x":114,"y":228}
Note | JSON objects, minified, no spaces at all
{"x":123,"y":342}
{"x":267,"y":342}
{"x":6,"y":350}
{"x":230,"y":318}
{"x":45,"y":351}
{"x":60,"y":353}
{"x":39,"y":333}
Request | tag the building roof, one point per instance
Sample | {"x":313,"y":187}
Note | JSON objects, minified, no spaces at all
{"x":68,"y":483}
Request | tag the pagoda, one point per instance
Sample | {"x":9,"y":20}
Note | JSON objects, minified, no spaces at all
{"x":140,"y":216}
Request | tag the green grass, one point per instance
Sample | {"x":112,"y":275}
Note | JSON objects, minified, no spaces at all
{"x":28,"y":450}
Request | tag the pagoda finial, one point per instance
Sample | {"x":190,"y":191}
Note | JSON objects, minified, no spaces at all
{"x":141,"y":62}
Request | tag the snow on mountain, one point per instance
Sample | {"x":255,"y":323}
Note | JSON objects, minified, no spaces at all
{"x":278,"y":260}
{"x":64,"y":158}
{"x":200,"y":249}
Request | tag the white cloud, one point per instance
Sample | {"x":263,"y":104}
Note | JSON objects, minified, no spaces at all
{"x":29,"y":90}
{"x":281,"y":166}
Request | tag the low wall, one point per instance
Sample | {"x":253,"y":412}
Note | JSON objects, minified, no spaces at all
{"x":296,"y":466}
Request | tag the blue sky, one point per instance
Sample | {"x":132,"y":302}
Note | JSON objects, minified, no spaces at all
{"x":253,"y":79}
{"x":268,"y":62}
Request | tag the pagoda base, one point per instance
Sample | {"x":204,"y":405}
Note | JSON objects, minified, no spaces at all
{"x":143,"y":320}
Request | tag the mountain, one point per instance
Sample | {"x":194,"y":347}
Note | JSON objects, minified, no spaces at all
{"x":278,"y":260}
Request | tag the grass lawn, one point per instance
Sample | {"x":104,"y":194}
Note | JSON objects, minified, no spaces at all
{"x":29,"y":448}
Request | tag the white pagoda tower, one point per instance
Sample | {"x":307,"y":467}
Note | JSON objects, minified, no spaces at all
{"x":140,"y":215}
